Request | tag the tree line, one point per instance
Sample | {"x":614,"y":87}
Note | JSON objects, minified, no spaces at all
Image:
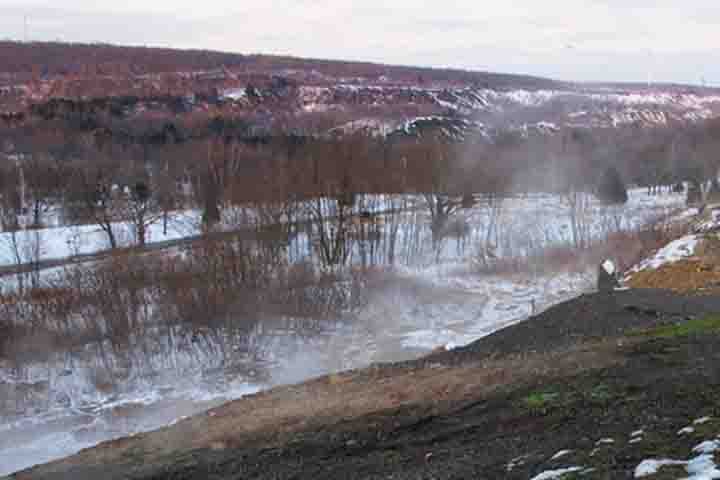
{"x":114,"y":173}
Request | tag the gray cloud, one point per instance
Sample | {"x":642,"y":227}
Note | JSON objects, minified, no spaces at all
{"x":568,"y":39}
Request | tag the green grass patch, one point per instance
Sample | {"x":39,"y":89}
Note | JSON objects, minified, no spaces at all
{"x":567,"y":398}
{"x":600,"y":393}
{"x":698,"y":326}
{"x":541,"y":401}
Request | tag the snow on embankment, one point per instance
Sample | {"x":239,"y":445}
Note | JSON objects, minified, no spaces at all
{"x":675,"y":251}
{"x":701,"y":466}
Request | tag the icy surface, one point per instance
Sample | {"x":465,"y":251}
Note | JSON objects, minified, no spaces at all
{"x":30,"y":441}
{"x":439,"y":300}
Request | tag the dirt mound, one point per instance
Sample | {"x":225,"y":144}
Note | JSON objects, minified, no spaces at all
{"x":499,"y":418}
{"x":445,"y":416}
{"x":686,"y":276}
{"x":590,"y":317}
{"x":697,"y":275}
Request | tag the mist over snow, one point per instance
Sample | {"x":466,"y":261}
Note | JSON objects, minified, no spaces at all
{"x":182,"y":229}
{"x":434,"y":299}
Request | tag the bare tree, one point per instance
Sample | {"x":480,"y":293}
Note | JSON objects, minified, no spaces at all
{"x":95,"y":196}
{"x":141,"y":208}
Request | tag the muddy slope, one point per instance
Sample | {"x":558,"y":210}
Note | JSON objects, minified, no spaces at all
{"x":594,"y":316}
{"x":491,"y":410}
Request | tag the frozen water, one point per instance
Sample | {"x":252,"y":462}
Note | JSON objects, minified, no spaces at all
{"x":445,"y":304}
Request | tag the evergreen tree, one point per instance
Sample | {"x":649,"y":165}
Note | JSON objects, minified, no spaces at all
{"x":611,"y":189}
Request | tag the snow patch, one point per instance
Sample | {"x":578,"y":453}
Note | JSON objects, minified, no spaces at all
{"x":551,"y":474}
{"x":701,"y":467}
{"x":710,"y":446}
{"x":702,"y":420}
{"x":651,"y":467}
{"x":560,"y":454}
{"x":675,"y":251}
{"x":516,"y":462}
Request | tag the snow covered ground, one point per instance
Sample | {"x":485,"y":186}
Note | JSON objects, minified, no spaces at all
{"x":57,"y":243}
{"x":428,"y":304}
{"x":419,"y":312}
{"x":598,"y":107}
{"x":524,"y":223}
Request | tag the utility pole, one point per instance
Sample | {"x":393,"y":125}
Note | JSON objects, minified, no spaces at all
{"x":25,"y":29}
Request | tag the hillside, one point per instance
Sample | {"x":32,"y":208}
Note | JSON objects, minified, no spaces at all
{"x":606,"y":385}
{"x":54,"y":58}
{"x":606,"y":391}
{"x":180,"y":230}
{"x":150,"y":84}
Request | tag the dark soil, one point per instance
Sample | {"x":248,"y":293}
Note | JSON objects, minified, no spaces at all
{"x":598,"y":383}
{"x":591,"y":317}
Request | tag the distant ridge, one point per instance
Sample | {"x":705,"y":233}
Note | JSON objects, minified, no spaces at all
{"x":58,"y":58}
{"x":57,"y":80}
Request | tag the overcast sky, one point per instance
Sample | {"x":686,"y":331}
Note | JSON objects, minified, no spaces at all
{"x":666,"y":40}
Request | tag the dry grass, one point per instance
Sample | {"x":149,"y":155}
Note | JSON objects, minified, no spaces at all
{"x":700,"y":274}
{"x":686,"y":276}
{"x":626,"y":248}
{"x":709,"y":248}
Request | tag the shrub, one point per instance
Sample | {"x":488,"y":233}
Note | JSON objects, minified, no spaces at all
{"x":694,"y":194}
{"x":713,"y":195}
